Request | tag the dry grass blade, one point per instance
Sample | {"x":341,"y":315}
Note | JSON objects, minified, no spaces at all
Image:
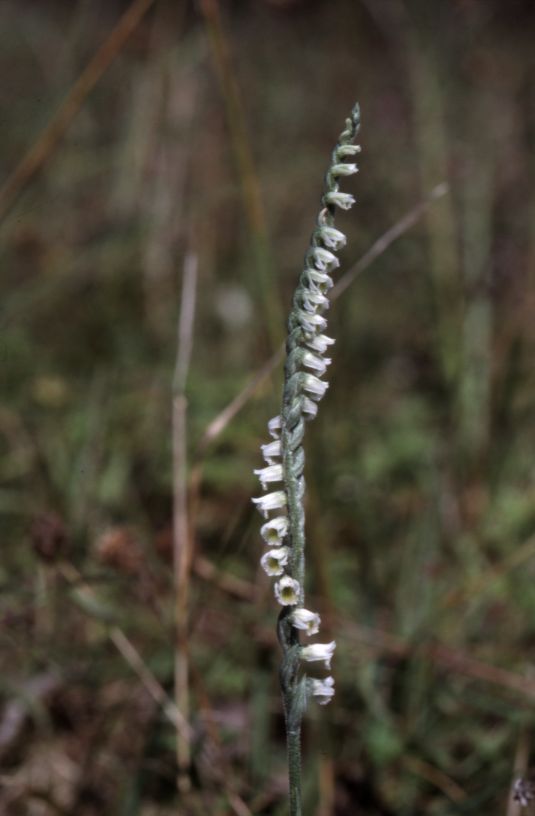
{"x":435,"y":777}
{"x":232,"y":96}
{"x":520,"y":770}
{"x":409,"y":220}
{"x":128,"y":651}
{"x":46,"y":143}
{"x":236,"y":116}
{"x":218,"y":425}
{"x":450,"y":659}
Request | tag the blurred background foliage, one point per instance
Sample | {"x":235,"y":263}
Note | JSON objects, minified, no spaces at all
{"x":208,"y":134}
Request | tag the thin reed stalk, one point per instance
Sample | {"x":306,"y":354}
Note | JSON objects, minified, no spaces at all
{"x":181,"y":526}
{"x":221,"y":52}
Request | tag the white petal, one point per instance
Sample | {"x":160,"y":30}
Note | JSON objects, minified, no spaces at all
{"x":287,"y":591}
{"x":311,"y":322}
{"x":324,"y":259}
{"x":275,"y":530}
{"x":332,"y":238}
{"x":315,"y":387}
{"x":306,"y":620}
{"x":271,"y":451}
{"x":315,"y":362}
{"x":323,"y":689}
{"x":344,"y":169}
{"x":310,"y":408}
{"x":314,"y":299}
{"x":319,"y":651}
{"x":319,"y":343}
{"x":344,"y":151}
{"x":343,"y":200}
{"x":271,"y":501}
{"x":273,"y":561}
{"x":271,"y":473}
{"x":321,"y":280}
{"x":274,"y":426}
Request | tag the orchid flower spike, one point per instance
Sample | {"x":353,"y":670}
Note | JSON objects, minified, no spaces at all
{"x":284,"y":533}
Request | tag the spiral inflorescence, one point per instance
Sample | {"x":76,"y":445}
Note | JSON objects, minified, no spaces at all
{"x":306,"y":363}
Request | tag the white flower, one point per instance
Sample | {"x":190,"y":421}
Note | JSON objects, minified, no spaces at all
{"x":343,"y":200}
{"x":274,"y":426}
{"x":274,"y":560}
{"x":311,"y":322}
{"x":315,"y":362}
{"x":344,"y":169}
{"x":315,"y":387}
{"x":310,"y":408}
{"x":344,"y":151}
{"x":320,"y":281}
{"x":287,"y":591}
{"x":312,"y":300}
{"x":306,"y":620}
{"x":323,"y":689}
{"x":319,"y":343}
{"x":274,"y":531}
{"x":324,"y":259}
{"x":271,"y":473}
{"x":271,"y":501}
{"x":271,"y":451}
{"x":319,"y":651}
{"x":332,"y":238}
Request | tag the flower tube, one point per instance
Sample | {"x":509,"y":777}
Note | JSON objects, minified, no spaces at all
{"x":306,"y":620}
{"x":271,"y":501}
{"x":287,"y":591}
{"x":319,"y":651}
{"x":274,"y":561}
{"x":322,"y":689}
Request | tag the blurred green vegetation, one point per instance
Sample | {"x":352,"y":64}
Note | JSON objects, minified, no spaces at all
{"x":209,"y":133}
